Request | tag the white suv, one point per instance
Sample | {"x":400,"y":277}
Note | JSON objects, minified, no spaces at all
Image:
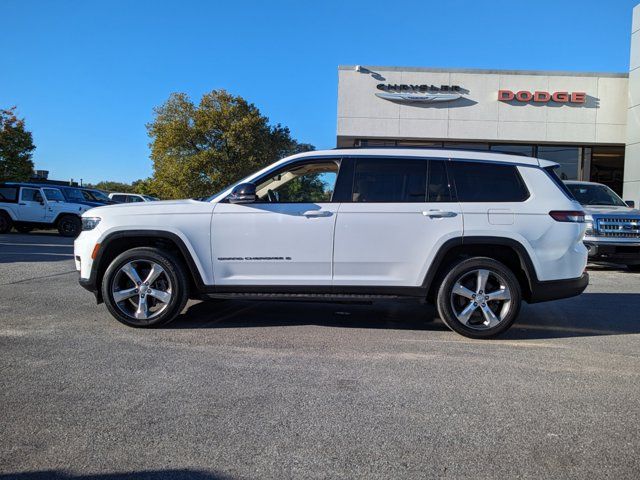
{"x":26,"y":206}
{"x":475,"y":233}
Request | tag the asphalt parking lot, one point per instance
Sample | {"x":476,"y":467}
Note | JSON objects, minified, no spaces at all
{"x":292,"y":390}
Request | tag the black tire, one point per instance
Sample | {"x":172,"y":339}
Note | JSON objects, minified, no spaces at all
{"x":23,"y":228}
{"x":178,"y":285}
{"x":634,"y":268}
{"x":500,"y":279}
{"x":5,"y":223}
{"x":69,"y":225}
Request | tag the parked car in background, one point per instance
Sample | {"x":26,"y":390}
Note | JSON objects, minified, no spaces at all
{"x":475,"y":233}
{"x":27,"y":206}
{"x":613,"y":225}
{"x":79,"y":195}
{"x":131,"y":198}
{"x":98,"y":195}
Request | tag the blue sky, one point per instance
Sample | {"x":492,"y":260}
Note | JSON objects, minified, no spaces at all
{"x":87,"y":74}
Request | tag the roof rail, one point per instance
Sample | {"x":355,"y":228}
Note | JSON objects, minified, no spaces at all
{"x":417,"y":147}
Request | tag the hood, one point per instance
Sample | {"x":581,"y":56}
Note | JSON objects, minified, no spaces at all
{"x":153,"y":208}
{"x":609,"y":210}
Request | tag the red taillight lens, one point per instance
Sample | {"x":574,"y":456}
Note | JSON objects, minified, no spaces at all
{"x":573,"y":216}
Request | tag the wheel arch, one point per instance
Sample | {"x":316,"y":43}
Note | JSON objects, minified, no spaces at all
{"x":64,"y":214}
{"x":115,"y":243}
{"x":506,"y":250}
{"x":9,"y":213}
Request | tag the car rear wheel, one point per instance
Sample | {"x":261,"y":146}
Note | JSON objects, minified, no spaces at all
{"x":5,"y":223}
{"x":479,"y":298}
{"x":634,"y":268}
{"x":145,"y":287}
{"x":69,"y":226}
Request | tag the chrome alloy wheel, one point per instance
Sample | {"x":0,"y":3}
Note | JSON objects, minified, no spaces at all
{"x":141,"y":289}
{"x":480,"y":299}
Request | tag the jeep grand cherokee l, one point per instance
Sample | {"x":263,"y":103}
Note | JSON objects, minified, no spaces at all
{"x":475,"y":233}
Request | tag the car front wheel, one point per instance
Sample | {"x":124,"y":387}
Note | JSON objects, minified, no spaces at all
{"x":69,"y":226}
{"x":479,"y":298}
{"x":145,"y":287}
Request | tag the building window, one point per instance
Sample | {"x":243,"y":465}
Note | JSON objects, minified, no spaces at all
{"x":567,"y":157}
{"x":607,"y":166}
{"x":467,"y":146}
{"x":517,"y":149}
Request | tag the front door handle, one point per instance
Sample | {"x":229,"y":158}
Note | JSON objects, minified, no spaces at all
{"x":438,"y":214}
{"x":317,"y":213}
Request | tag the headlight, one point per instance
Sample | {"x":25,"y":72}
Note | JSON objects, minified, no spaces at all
{"x":588,"y":221}
{"x":89,"y":223}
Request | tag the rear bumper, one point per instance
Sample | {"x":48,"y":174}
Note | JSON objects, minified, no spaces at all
{"x":557,"y":289}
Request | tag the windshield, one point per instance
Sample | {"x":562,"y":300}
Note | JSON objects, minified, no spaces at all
{"x":53,"y":195}
{"x":98,"y":195}
{"x":73,"y":195}
{"x":149,"y":199}
{"x":595,"y":194}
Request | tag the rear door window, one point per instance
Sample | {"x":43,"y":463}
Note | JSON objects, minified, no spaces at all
{"x":488,"y":182}
{"x":438,"y":188}
{"x":389,"y":180}
{"x":119,"y":198}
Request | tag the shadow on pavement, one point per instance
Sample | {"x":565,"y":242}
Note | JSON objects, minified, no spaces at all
{"x":248,"y":314}
{"x":143,"y":475}
{"x":35,"y":247}
{"x":590,"y":314}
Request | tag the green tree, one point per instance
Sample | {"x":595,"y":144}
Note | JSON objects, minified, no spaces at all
{"x":199,"y":149}
{"x":16,"y":147}
{"x":111,"y":186}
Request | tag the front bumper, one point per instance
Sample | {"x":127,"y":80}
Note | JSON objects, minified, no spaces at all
{"x":557,"y":289}
{"x":616,"y":250}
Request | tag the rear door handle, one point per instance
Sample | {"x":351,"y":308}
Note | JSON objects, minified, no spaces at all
{"x":317,"y":213}
{"x":22,"y":204}
{"x":438,"y":214}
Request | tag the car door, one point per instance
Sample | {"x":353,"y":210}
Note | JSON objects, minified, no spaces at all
{"x":32,"y":207}
{"x":286,"y":236}
{"x":400,"y":212}
{"x":55,"y":203}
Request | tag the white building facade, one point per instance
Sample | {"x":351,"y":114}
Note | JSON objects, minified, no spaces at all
{"x":587,"y":122}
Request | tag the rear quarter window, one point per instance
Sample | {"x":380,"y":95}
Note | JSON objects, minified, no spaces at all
{"x":8,"y":194}
{"x":488,"y":182}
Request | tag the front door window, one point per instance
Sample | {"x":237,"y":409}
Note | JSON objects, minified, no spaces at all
{"x":306,"y":183}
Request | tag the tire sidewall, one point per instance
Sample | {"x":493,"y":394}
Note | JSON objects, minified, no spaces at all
{"x":457,"y":271}
{"x":75,"y":221}
{"x":5,"y":223}
{"x":172,"y":267}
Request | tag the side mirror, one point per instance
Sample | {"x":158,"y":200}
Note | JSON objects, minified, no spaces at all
{"x":243,"y":193}
{"x":630,"y":203}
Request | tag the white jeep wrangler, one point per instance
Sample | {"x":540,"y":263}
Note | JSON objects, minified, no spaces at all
{"x":27,"y":206}
{"x":475,"y":233}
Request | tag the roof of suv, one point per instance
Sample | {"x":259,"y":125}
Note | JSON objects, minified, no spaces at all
{"x":429,"y":153}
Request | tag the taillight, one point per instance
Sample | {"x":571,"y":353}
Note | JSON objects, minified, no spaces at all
{"x":573,"y":216}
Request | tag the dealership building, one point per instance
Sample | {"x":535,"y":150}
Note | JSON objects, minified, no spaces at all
{"x":587,"y":122}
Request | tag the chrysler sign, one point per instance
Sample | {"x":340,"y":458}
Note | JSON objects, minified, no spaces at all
{"x":542,"y":97}
{"x":422,"y":93}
